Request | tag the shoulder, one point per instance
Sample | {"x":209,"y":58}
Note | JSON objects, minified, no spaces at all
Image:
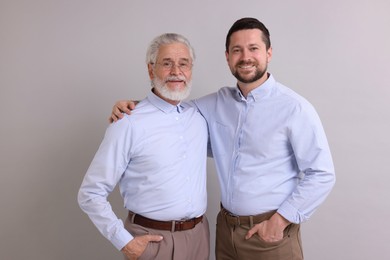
{"x":211,"y":98}
{"x":299,"y":110}
{"x":292,"y":98}
{"x":140,"y":111}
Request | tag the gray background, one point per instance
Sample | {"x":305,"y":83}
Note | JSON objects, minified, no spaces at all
{"x":63,"y":64}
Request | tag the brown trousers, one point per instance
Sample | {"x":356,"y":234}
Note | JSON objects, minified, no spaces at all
{"x":192,"y":244}
{"x":232,"y":245}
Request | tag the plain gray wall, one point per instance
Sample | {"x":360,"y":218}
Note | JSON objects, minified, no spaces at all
{"x":63,"y":64}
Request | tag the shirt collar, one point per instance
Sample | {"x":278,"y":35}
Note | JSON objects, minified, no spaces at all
{"x":163,"y":105}
{"x":260,"y":92}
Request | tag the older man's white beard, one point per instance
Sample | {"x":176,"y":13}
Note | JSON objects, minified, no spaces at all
{"x":175,"y":95}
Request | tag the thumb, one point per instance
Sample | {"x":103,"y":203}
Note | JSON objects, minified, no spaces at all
{"x":154,"y":238}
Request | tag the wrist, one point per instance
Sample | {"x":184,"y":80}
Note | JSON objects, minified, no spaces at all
{"x":280,"y":220}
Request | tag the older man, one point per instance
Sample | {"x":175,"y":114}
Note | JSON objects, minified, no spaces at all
{"x":158,"y":157}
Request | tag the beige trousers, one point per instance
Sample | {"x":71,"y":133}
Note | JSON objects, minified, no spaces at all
{"x":193,"y":244}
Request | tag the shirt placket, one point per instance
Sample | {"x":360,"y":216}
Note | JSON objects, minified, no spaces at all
{"x":183,"y":155}
{"x":238,"y":139}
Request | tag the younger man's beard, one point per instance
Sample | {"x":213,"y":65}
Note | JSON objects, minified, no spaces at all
{"x":175,"y":95}
{"x":258,"y":74}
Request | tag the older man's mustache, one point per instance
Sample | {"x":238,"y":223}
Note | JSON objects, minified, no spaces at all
{"x":175,"y":78}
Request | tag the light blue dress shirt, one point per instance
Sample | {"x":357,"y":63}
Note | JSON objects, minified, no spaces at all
{"x":158,"y":157}
{"x":270,"y":150}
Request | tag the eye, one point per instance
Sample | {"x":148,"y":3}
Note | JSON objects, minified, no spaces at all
{"x":184,"y":65}
{"x":167,"y":64}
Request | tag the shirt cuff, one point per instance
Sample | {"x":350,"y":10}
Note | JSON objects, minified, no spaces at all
{"x":290,"y":213}
{"x":120,"y":239}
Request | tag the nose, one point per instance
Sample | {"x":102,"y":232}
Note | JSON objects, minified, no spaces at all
{"x":175,"y":70}
{"x":245,"y":55}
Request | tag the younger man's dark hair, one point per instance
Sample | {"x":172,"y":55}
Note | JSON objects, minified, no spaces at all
{"x":248,"y":23}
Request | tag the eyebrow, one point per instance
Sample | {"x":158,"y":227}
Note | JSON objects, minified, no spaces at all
{"x":246,"y":46}
{"x":235,"y":46}
{"x":180,"y":59}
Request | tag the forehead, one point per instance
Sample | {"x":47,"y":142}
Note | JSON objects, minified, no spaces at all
{"x":246,"y":37}
{"x":173,"y":51}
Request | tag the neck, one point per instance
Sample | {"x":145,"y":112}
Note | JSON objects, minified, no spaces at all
{"x":172,"y":102}
{"x":245,"y":88}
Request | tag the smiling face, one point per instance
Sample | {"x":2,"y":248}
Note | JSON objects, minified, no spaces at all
{"x":248,"y":57}
{"x":170,"y":76}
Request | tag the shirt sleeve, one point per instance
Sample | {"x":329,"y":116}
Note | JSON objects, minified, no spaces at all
{"x":105,"y":171}
{"x":313,"y":157}
{"x":203,"y":104}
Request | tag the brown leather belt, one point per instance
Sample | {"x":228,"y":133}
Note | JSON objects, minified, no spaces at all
{"x":235,"y":220}
{"x":164,"y":225}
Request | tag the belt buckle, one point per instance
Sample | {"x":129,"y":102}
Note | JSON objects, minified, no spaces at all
{"x":179,"y":225}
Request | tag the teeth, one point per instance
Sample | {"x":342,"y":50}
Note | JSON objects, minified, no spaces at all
{"x":246,"y":67}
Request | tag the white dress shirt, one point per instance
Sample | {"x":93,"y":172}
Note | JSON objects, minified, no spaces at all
{"x":158,"y":157}
{"x":270,"y":150}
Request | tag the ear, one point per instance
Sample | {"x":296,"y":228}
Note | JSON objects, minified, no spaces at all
{"x":227,"y":56}
{"x":269,"y":54}
{"x":150,"y":71}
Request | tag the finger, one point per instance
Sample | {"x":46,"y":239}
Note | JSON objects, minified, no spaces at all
{"x":132,"y":105}
{"x":118,"y":114}
{"x":251,"y":232}
{"x":127,"y":111}
{"x":154,"y":238}
{"x":113,"y":118}
{"x":116,"y":110}
{"x":122,"y":107}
